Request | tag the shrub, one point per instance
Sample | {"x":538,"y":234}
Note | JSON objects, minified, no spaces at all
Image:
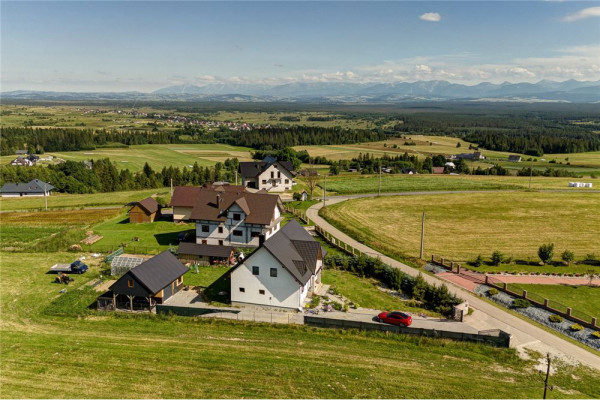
{"x":492,"y":292}
{"x":590,"y":257}
{"x":576,"y":327}
{"x":497,"y":257}
{"x":345,"y":307}
{"x":521,"y":303}
{"x":478,"y":261}
{"x":568,"y":256}
{"x":546,"y":252}
{"x":596,"y":334}
{"x":356,"y":306}
{"x":297,"y":196}
{"x":555,"y":318}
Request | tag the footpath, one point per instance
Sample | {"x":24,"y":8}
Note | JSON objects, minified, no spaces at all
{"x":486,"y":316}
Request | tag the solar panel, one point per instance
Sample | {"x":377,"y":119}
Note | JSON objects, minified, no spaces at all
{"x":121,"y":264}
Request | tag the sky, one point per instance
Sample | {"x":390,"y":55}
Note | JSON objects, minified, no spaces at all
{"x":134,"y":45}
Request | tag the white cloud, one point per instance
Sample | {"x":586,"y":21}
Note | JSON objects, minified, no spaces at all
{"x":431,"y":17}
{"x":585,"y":13}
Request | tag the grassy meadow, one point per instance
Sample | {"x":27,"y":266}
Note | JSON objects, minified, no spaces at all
{"x":461,"y":226}
{"x":46,"y":335}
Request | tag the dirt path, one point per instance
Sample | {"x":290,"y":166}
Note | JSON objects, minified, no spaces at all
{"x":486,"y":316}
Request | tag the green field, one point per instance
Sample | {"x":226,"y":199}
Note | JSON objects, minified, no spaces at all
{"x":365,"y":292}
{"x":62,"y":200}
{"x":350,"y":183}
{"x":162,"y":155}
{"x":460,"y":226}
{"x":46,"y":335}
{"x":582,"y":299}
{"x":152,"y":238}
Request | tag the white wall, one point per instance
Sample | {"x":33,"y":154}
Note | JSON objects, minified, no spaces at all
{"x":280,"y":291}
{"x":279,"y":180}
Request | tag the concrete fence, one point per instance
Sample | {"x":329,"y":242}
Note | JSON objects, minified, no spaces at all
{"x":494,"y":337}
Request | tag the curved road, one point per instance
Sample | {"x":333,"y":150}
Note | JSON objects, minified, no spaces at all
{"x":486,"y":316}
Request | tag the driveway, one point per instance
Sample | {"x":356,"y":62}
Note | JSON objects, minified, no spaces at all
{"x":487,"y":316}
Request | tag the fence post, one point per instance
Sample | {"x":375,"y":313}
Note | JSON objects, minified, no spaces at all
{"x":432,"y":258}
{"x":442,"y":260}
{"x":458,"y":269}
{"x":504,"y":285}
{"x":569,"y":310}
{"x":486,"y":279}
{"x":524,"y":294}
{"x":546,"y":302}
{"x":594,"y":322}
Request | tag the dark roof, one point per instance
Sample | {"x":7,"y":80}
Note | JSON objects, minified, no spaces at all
{"x":159,"y":271}
{"x":204,"y":250}
{"x":251,"y":169}
{"x":258,"y":207}
{"x":187,"y":196}
{"x":148,"y":204}
{"x":33,"y":186}
{"x":21,"y":152}
{"x":296,"y":250}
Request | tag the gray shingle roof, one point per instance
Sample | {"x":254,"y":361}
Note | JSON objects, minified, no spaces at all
{"x":159,"y":271}
{"x":251,"y":169}
{"x":33,"y":186}
{"x":296,"y":250}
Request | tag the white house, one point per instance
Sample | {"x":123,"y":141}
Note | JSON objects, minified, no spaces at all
{"x":35,"y":187}
{"x":269,"y":174}
{"x":282,"y":272}
{"x":235,"y":218}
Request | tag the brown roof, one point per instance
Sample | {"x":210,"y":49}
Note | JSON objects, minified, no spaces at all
{"x":258,"y":207}
{"x":187,"y":196}
{"x":149,"y":204}
{"x":438,"y":170}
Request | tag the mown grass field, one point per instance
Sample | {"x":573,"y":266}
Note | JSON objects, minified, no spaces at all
{"x":366,"y":293}
{"x":584,"y":299}
{"x":461,"y":226}
{"x":61,"y":200}
{"x":351,"y":183}
{"x":162,"y":155}
{"x":46,"y":335}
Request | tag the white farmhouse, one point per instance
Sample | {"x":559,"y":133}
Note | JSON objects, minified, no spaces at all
{"x":235,"y":218}
{"x":269,"y":174}
{"x":282,"y":272}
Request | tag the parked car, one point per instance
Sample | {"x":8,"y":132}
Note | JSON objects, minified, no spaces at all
{"x":394,"y":318}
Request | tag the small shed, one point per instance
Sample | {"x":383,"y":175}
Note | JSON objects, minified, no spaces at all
{"x":205,"y":254}
{"x":150,"y":283}
{"x":514,"y":158}
{"x":438,"y":170}
{"x":304,"y":196}
{"x":146,"y":210}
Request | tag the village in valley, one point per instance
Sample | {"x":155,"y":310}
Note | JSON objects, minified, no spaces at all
{"x":300,"y":200}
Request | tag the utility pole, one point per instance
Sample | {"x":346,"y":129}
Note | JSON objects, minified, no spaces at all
{"x":547,"y":376}
{"x":530,"y":172}
{"x":379,"y":191}
{"x":45,"y":197}
{"x":422,"y":235}
{"x":171,"y":187}
{"x":236,"y":177}
{"x":324,"y":189}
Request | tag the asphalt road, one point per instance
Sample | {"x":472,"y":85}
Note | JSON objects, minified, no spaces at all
{"x":486,"y":315}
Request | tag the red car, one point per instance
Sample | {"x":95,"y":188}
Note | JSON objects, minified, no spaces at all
{"x":394,"y":318}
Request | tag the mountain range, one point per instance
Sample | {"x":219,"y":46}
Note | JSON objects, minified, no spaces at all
{"x":570,"y":91}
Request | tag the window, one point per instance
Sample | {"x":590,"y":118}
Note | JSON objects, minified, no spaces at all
{"x":242,"y":290}
{"x":287,"y":181}
{"x":220,"y":243}
{"x":237,"y":232}
{"x":274,"y":272}
{"x":264,"y":181}
{"x":254,"y":234}
{"x":272,"y":174}
{"x":261,"y":291}
{"x":278,"y":174}
{"x":130,"y":283}
{"x":205,"y":228}
{"x":204,"y":241}
{"x":254,"y":270}
{"x":220,"y":229}
{"x":237,"y":217}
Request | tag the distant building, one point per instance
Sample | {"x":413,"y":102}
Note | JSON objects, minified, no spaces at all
{"x":33,"y":188}
{"x":468,"y":156}
{"x":438,"y":170}
{"x":21,"y":152}
{"x":268,"y":174}
{"x":22,"y":162}
{"x":88,"y":164}
{"x":514,"y":158}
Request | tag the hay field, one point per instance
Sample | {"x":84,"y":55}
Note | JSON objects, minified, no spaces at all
{"x":460,"y":226}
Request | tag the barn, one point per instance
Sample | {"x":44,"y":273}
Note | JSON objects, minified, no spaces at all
{"x":205,"y":254}
{"x":150,"y":283}
{"x":146,"y":210}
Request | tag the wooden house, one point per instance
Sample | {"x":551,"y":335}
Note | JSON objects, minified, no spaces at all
{"x":146,"y":210}
{"x":150,"y":283}
{"x":205,"y":254}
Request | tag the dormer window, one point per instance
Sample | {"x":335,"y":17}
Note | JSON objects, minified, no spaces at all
{"x":237,"y":217}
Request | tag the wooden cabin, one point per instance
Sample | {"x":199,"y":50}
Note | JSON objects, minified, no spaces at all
{"x":146,"y":210}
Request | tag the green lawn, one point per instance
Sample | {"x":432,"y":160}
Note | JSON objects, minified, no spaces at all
{"x":61,"y":200}
{"x":205,"y":277}
{"x":365,"y":292}
{"x":582,"y":299}
{"x":460,"y":226}
{"x":153,"y":237}
{"x":46,"y":335}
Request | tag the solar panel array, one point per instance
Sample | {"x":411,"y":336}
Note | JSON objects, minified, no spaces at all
{"x":121,"y":264}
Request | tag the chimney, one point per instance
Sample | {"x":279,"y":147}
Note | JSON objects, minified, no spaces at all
{"x":218,"y":198}
{"x":261,"y":239}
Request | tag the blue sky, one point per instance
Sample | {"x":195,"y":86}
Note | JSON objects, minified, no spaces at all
{"x":117,"y":46}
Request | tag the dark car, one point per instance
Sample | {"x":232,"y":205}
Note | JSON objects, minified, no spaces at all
{"x":77,"y":267}
{"x":394,"y":318}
